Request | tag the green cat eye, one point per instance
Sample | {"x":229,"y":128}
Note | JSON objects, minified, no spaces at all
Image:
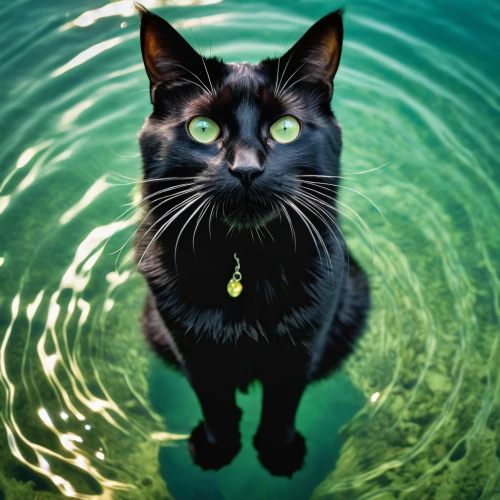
{"x":203,"y":129}
{"x":286,"y":129}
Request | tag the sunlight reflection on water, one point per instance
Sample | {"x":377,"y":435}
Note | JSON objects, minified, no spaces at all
{"x":73,"y":365}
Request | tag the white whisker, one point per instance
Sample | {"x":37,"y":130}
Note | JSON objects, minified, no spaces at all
{"x":342,"y":213}
{"x":291,"y":55}
{"x":258,"y":232}
{"x":163,"y":200}
{"x":137,"y":181}
{"x":268,"y":232}
{"x":180,"y":207}
{"x":327,"y":185}
{"x":306,"y":222}
{"x":182,"y":229}
{"x":287,"y":215}
{"x":202,"y":58}
{"x":198,"y":78}
{"x":368,"y":171}
{"x":152,"y":195}
{"x":294,"y":83}
{"x":207,"y":206}
{"x":210,"y":220}
{"x":289,"y":78}
{"x":314,"y":209}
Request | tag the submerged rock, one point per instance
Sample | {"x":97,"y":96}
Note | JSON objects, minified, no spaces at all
{"x":434,"y":430}
{"x":438,"y":382}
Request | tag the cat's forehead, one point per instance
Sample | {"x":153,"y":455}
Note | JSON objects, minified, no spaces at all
{"x":246,"y":89}
{"x":243,"y":77}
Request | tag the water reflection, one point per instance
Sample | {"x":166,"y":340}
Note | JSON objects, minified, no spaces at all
{"x":76,"y":386}
{"x":125,"y":8}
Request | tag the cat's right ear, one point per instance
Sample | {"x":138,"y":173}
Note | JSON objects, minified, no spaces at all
{"x":167,"y":56}
{"x":315,"y":57}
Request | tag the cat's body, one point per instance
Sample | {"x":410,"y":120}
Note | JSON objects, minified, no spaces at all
{"x":304,"y":301}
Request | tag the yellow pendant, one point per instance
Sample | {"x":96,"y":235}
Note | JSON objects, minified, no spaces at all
{"x":234,"y":288}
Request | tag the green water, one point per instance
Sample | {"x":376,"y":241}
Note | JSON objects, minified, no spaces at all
{"x":87,"y":411}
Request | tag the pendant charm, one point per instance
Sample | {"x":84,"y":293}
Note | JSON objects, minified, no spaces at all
{"x":234,"y":287}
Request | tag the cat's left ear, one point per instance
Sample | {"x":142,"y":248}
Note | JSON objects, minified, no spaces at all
{"x":317,"y":53}
{"x":167,"y":56}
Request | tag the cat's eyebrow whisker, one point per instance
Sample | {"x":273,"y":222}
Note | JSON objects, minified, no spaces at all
{"x":324,"y":185}
{"x":208,"y":76}
{"x":201,"y":56}
{"x":284,"y":50}
{"x":194,"y":83}
{"x":363,"y":223}
{"x":203,"y":42}
{"x":277,"y":73}
{"x":295,"y":82}
{"x":284,"y":72}
{"x":289,"y":78}
{"x":198,"y":78}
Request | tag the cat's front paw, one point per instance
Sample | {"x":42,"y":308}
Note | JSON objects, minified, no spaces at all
{"x":211,"y":453}
{"x":279,"y":456}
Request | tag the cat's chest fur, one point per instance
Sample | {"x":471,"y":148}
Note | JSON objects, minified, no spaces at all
{"x":285,"y":294}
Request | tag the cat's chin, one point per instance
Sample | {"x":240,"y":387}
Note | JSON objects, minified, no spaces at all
{"x":247,"y":217}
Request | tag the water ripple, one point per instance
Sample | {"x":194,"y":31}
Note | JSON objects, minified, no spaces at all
{"x":73,"y":366}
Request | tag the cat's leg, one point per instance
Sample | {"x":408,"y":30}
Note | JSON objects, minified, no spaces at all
{"x":281,"y":448}
{"x":216,"y":440}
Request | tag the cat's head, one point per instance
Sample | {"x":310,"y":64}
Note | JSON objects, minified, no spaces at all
{"x":242,"y":136}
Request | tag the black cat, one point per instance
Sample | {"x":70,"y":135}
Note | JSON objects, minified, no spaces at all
{"x":249,"y":274}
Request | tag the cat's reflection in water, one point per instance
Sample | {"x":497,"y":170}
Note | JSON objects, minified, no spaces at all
{"x":241,"y":162}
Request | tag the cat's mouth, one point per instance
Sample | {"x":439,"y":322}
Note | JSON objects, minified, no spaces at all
{"x":248,"y":214}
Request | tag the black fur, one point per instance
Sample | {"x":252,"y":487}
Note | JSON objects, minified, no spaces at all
{"x":297,"y":317}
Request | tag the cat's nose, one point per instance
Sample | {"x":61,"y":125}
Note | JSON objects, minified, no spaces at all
{"x":246,"y":166}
